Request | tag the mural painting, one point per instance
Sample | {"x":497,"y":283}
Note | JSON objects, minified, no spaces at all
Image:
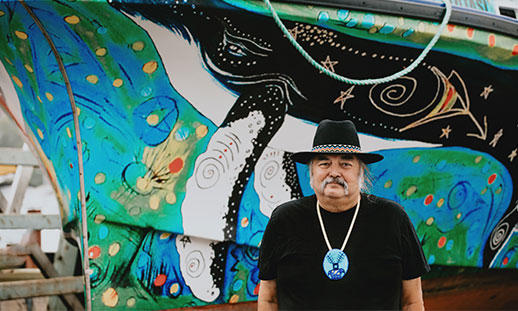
{"x":188,"y":115}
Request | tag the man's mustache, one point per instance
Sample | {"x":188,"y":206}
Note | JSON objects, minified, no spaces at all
{"x":338,"y":180}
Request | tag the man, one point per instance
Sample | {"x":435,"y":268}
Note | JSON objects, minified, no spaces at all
{"x":340,"y":249}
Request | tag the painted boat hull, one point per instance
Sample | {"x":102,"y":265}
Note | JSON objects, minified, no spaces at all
{"x":187,"y":114}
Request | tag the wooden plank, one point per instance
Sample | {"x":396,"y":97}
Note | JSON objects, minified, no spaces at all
{"x":3,"y":203}
{"x":17,"y":156}
{"x":65,"y":261}
{"x":22,"y":177}
{"x":48,"y":270}
{"x":30,"y":221}
{"x":20,"y":274}
{"x":11,"y":261}
{"x":43,"y":287}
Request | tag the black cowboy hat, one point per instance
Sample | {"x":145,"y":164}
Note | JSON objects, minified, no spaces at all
{"x":336,"y":137}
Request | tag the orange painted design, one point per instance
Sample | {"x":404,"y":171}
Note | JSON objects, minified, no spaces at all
{"x":441,"y":242}
{"x":491,"y":40}
{"x":94,"y":252}
{"x":256,"y":289}
{"x":515,"y":50}
{"x":160,"y":280}
{"x":451,"y":27}
{"x":491,"y":178}
{"x":428,"y":199}
{"x":470,"y":32}
{"x":176,"y":165}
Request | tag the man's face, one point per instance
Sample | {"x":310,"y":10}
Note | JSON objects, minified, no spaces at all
{"x":335,"y":176}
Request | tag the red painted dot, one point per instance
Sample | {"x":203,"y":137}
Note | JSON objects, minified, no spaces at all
{"x":176,"y":165}
{"x":71,"y":165}
{"x":256,"y":289}
{"x":451,"y":27}
{"x":94,"y":252}
{"x":441,"y":242}
{"x":224,"y":150}
{"x":160,"y":280}
{"x":230,"y":143}
{"x":515,"y":50}
{"x":491,"y":179}
{"x":491,"y":40}
{"x":470,"y":32}
{"x":428,"y":199}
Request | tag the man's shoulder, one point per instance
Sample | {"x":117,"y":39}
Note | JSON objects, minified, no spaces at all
{"x":295,"y":206}
{"x":385,"y":205}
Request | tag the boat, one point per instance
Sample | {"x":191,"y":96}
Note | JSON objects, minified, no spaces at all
{"x":165,"y":128}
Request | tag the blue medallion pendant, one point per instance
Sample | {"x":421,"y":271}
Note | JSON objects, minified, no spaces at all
{"x":335,"y":264}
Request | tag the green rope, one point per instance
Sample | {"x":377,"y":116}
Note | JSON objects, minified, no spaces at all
{"x":340,"y":78}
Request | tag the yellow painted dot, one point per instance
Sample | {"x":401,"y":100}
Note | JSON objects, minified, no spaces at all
{"x":110,"y":297}
{"x":40,"y":133}
{"x":28,"y":68}
{"x":20,"y":34}
{"x":39,"y":99}
{"x":99,"y":218}
{"x":430,"y":221}
{"x":388,"y":184}
{"x":416,"y":158}
{"x":49,"y":96}
{"x":138,"y":46}
{"x":459,"y":215}
{"x":411,"y":190}
{"x":100,"y":51}
{"x":118,"y":82}
{"x":373,"y":30}
{"x":234,"y":298}
{"x":131,"y":302}
{"x":114,"y":249}
{"x":69,"y":133}
{"x":165,"y":235}
{"x":17,"y":81}
{"x":421,"y":27}
{"x":401,"y":21}
{"x":440,"y":202}
{"x":8,"y":60}
{"x":244,"y":222}
{"x":152,"y":119}
{"x":478,"y":159}
{"x":2,"y":13}
{"x":499,"y":190}
{"x":154,"y":202}
{"x":174,"y":288}
{"x":78,"y":110}
{"x":201,"y":131}
{"x":150,"y":67}
{"x":92,"y":79}
{"x":72,"y":19}
{"x":483,"y":191}
{"x":143,"y":184}
{"x":170,"y":198}
{"x":100,"y":178}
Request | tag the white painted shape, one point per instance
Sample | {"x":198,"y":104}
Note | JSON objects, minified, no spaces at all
{"x":196,"y":258}
{"x":215,"y":173}
{"x":297,"y":135}
{"x":184,"y":66}
{"x":270,"y":181}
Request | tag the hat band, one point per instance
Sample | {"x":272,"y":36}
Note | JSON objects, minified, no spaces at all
{"x":337,"y":148}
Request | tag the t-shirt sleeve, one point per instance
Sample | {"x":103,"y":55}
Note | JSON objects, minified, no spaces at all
{"x":414,"y":260}
{"x":268,"y":251}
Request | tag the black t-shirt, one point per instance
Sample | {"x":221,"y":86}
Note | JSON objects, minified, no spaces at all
{"x":383,"y":250}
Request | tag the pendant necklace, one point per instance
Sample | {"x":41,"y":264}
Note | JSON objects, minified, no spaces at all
{"x":335,"y":262}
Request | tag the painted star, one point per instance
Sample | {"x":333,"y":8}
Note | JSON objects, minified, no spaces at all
{"x":344,"y":96}
{"x":185,"y":240}
{"x":513,"y":154}
{"x":487,"y":90}
{"x":329,"y":64}
{"x":446,"y":132}
{"x":294,"y":32}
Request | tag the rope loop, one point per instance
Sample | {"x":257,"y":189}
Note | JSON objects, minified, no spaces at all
{"x":340,"y":78}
